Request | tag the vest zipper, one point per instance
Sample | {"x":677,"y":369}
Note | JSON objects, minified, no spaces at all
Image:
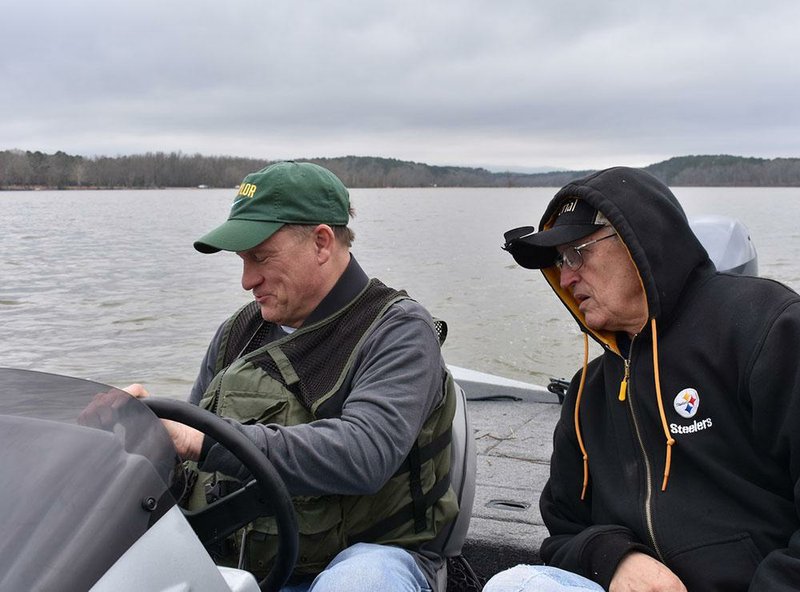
{"x":648,"y":503}
{"x":215,"y":407}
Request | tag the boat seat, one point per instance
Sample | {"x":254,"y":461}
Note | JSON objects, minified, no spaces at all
{"x":463,"y":470}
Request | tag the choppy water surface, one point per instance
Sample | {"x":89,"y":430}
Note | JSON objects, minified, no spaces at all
{"x":105,"y":285}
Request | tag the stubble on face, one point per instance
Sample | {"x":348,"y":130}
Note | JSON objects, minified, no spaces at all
{"x":281,"y":273}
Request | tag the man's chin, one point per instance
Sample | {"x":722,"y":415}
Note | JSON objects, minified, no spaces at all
{"x":592,"y":322}
{"x":268,"y":314}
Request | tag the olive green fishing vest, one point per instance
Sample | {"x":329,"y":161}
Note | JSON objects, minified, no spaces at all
{"x":299,"y":378}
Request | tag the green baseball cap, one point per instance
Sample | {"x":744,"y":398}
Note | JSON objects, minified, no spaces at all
{"x":282,"y":193}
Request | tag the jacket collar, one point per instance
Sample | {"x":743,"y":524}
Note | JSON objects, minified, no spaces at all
{"x":349,"y":285}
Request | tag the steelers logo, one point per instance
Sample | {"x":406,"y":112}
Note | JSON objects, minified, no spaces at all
{"x":687,"y":402}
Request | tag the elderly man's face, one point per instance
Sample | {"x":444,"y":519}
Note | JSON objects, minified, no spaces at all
{"x":283,"y":274}
{"x":607,"y":286}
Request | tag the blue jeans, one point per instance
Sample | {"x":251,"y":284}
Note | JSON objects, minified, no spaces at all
{"x":368,"y":567}
{"x":538,"y":578}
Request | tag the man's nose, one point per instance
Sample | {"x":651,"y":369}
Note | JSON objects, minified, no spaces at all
{"x":250,"y":276}
{"x":568,"y":276}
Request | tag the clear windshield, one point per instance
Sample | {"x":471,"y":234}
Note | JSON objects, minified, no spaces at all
{"x":85,"y":470}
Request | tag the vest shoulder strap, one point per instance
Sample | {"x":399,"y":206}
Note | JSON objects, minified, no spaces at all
{"x":313,"y":360}
{"x":240,"y":331}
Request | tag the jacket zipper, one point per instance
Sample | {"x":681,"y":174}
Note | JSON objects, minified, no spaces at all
{"x":623,"y":386}
{"x":625,"y":390}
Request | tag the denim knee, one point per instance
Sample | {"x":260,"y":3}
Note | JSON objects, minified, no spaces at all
{"x":369,"y":567}
{"x":539,"y":578}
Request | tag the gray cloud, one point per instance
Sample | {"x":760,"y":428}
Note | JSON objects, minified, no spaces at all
{"x":563,"y":83}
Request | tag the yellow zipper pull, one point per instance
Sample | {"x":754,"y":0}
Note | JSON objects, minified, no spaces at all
{"x":623,"y":386}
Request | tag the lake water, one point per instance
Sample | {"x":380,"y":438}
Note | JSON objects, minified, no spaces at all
{"x":105,"y":285}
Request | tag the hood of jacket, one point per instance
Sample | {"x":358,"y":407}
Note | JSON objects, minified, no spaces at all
{"x":654,"y":229}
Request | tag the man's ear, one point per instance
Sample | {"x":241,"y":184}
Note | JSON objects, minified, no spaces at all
{"x":324,"y":241}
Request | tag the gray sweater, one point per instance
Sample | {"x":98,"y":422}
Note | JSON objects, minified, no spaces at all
{"x":395,"y":383}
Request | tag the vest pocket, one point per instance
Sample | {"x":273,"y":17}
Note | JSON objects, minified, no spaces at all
{"x":319,"y":521}
{"x":249,"y":408}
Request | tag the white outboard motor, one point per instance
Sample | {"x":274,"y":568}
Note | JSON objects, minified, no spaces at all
{"x":728,"y":243}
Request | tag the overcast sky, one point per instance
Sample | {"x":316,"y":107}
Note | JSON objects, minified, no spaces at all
{"x":502,"y":84}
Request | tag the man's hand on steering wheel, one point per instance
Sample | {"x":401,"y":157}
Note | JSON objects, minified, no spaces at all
{"x":267,"y":496}
{"x":187,"y":441}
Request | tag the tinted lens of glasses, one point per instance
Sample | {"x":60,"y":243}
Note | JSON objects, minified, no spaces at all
{"x":571,"y":257}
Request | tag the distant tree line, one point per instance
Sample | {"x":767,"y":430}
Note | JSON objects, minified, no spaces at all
{"x":150,"y":170}
{"x":20,"y":169}
{"x":25,"y":169}
{"x":728,"y":171}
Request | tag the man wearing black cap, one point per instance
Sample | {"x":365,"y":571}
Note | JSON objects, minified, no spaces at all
{"x":608,"y":295}
{"x":676,"y":460}
{"x":340,"y":381}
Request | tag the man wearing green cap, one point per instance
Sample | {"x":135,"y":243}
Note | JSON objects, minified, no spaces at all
{"x":339,"y":380}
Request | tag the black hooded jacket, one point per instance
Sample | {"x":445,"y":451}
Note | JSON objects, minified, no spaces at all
{"x":729,"y":516}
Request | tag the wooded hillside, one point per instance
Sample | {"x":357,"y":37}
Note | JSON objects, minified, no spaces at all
{"x":25,"y":169}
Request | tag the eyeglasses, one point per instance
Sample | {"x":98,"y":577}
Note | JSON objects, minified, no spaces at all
{"x":571,"y":256}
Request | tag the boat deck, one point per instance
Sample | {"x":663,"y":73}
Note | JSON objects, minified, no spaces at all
{"x":513,"y":427}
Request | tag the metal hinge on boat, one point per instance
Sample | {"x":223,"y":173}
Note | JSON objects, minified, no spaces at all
{"x":558,"y":386}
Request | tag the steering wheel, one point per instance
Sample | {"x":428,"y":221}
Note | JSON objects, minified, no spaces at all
{"x":266,"y":495}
